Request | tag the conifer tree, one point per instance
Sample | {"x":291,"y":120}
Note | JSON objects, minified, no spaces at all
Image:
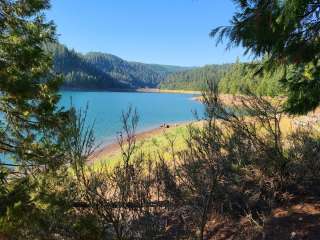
{"x":287,"y":32}
{"x":32,"y":127}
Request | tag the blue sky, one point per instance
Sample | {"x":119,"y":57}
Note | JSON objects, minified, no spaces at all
{"x":172,"y":32}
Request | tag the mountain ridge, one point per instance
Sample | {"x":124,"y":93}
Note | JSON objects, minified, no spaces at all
{"x":105,"y":71}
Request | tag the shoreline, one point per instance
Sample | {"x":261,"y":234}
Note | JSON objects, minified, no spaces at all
{"x":113,"y":147}
{"x":136,"y":90}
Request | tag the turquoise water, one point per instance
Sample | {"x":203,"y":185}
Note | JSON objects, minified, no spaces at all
{"x":105,"y":109}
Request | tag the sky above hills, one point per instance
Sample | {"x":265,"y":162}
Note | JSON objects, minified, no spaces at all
{"x":172,"y":32}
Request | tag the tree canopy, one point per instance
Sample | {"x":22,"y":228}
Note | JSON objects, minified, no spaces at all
{"x":287,"y":33}
{"x":237,"y":78}
{"x":33,"y":129}
{"x":195,"y":79}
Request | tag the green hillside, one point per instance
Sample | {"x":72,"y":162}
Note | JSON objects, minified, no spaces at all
{"x":134,"y":75}
{"x":194,"y":79}
{"x":104,"y":71}
{"x":78,"y":72}
{"x":232,"y":78}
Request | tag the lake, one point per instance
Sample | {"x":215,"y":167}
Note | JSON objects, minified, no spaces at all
{"x":154,"y":109}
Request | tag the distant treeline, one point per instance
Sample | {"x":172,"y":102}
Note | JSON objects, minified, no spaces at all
{"x":232,"y":78}
{"x":195,"y":79}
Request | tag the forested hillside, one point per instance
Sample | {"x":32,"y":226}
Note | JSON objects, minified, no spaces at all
{"x":243,"y":77}
{"x":101,"y":71}
{"x":105,"y":71}
{"x":232,"y":78}
{"x":167,"y":69}
{"x":78,"y":72}
{"x":134,"y":75}
{"x":195,"y":79}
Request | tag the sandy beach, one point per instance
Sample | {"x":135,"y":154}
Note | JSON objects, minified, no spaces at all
{"x":114,"y":148}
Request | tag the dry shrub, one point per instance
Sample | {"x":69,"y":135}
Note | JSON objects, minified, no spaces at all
{"x":240,"y":162}
{"x":238,"y":165}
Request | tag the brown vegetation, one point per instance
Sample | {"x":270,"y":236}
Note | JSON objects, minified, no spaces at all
{"x":238,"y":177}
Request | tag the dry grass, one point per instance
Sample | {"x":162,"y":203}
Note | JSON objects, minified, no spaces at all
{"x":158,"y":142}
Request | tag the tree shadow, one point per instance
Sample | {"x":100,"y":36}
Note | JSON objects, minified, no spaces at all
{"x":293,"y":226}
